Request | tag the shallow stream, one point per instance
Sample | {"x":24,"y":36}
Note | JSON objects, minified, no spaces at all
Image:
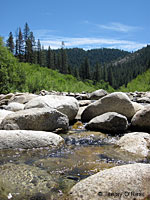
{"x":48,"y":174}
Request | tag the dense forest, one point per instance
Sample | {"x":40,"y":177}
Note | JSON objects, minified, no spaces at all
{"x":78,"y":62}
{"x":18,"y":76}
{"x":76,"y":56}
{"x":128,"y":68}
{"x":97,"y":66}
{"x":140,"y":83}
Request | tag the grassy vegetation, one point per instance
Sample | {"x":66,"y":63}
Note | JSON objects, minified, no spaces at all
{"x":140,"y":83}
{"x":24,"y":77}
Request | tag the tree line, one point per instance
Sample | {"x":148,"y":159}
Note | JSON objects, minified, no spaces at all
{"x":18,"y":76}
{"x":116,"y":67}
{"x":25,"y":47}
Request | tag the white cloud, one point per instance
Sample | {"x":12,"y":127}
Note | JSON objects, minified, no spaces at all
{"x":48,"y":38}
{"x":43,"y":33}
{"x":115,"y":26}
{"x":89,"y":43}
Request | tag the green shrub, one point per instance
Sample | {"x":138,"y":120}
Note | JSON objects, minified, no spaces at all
{"x":24,"y":77}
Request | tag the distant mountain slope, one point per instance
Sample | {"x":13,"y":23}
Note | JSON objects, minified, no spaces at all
{"x":115,"y":66}
{"x":140,"y":83}
{"x":76,"y":56}
{"x":129,"y":67}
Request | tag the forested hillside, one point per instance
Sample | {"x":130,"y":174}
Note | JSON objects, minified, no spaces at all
{"x":123,"y":71}
{"x":78,"y":62}
{"x":25,"y":77}
{"x":76,"y":56}
{"x":97,"y":66}
{"x":140,"y":83}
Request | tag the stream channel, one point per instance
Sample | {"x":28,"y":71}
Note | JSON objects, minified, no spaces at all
{"x":48,"y":174}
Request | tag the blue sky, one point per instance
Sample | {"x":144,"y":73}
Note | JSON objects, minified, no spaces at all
{"x":122,"y":24}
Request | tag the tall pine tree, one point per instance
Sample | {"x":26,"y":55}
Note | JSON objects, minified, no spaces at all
{"x":39,"y":53}
{"x":30,"y":48}
{"x":27,"y":41}
{"x":10,"y":42}
{"x":97,"y":73}
{"x":87,"y":68}
{"x":20,"y":46}
{"x":26,"y":32}
{"x":64,"y":60}
{"x":50,"y":58}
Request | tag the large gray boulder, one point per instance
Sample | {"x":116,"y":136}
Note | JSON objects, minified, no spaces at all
{"x":40,"y":119}
{"x":3,"y":114}
{"x":116,"y":102}
{"x":137,"y":106}
{"x":7,"y":96}
{"x":67,"y":105}
{"x":97,"y":94}
{"x":22,"y":98}
{"x":141,"y":120}
{"x":125,"y":182}
{"x":4,"y":99}
{"x":85,"y":102}
{"x":137,"y":143}
{"x":110,"y":121}
{"x":12,"y":139}
{"x":14,"y":106}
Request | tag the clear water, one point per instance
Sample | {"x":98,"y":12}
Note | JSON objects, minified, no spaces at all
{"x":45,"y":174}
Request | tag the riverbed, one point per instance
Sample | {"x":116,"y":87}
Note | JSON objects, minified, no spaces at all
{"x":48,"y":174}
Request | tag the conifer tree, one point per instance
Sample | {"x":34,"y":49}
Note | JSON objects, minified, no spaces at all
{"x":26,"y":32}
{"x":87,"y":68}
{"x":59,"y":62}
{"x":16,"y":44}
{"x":20,"y":45}
{"x":30,"y":48}
{"x":105,"y":73}
{"x":55,"y":60}
{"x":97,"y":73}
{"x":27,"y":41}
{"x":50,"y":58}
{"x":64,"y":60}
{"x":64,"y":69}
{"x":10,"y":42}
{"x":110,"y":76}
{"x":70,"y":70}
{"x":76,"y":73}
{"x":16,"y":47}
{"x":39,"y":54}
{"x":33,"y":45}
{"x":43,"y":57}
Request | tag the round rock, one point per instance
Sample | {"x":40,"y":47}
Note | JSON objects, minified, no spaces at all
{"x":3,"y":114}
{"x":110,"y":121}
{"x":116,"y":102}
{"x":97,"y":94}
{"x":137,"y":143}
{"x":122,"y":182}
{"x":65,"y":104}
{"x":40,"y":119}
{"x":12,"y":139}
{"x":141,"y":120}
{"x":14,"y":106}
